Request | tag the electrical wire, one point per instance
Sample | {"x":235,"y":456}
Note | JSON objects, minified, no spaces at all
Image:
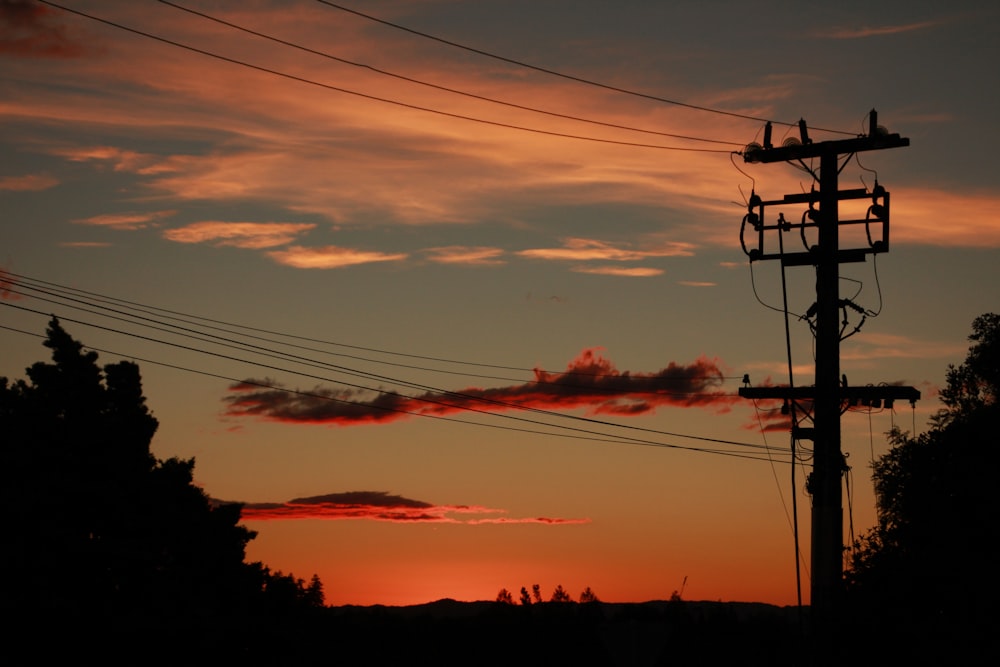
{"x":334,"y":399}
{"x":437,"y":86}
{"x":791,"y":411}
{"x":590,"y":434}
{"x":270,"y":353}
{"x":376,"y":98}
{"x":569,"y":77}
{"x":353,"y":373}
{"x":95,"y":299}
{"x":878,"y":287}
{"x":849,"y":486}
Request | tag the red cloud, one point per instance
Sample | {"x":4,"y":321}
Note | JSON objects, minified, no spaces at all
{"x":5,"y":284}
{"x":590,"y":381}
{"x":380,"y":506}
{"x":26,"y":30}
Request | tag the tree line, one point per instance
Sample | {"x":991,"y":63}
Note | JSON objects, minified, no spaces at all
{"x":104,"y":539}
{"x":559,"y":594}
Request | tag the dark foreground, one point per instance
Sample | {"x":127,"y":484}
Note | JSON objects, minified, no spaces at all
{"x":652,"y":633}
{"x":440,"y":633}
{"x":447,"y":633}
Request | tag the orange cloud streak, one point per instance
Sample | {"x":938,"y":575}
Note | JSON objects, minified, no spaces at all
{"x":330,"y":257}
{"x":634,"y":272}
{"x":590,"y":249}
{"x":126,"y":221}
{"x":479,"y":255}
{"x":590,"y":382}
{"x":239,"y":234}
{"x":380,"y":506}
{"x":29,"y":183}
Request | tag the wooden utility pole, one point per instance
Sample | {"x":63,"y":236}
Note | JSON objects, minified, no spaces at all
{"x":830,"y":394}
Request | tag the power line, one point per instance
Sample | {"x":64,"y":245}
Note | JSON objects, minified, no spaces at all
{"x":376,"y":98}
{"x":587,"y":432}
{"x":28,"y":282}
{"x":284,"y":356}
{"x":270,"y":353}
{"x":563,"y":75}
{"x":455,"y":91}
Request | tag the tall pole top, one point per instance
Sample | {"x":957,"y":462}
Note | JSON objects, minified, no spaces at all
{"x":804,"y":148}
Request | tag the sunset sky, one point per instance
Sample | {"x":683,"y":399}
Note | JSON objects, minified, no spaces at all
{"x":451,"y":294}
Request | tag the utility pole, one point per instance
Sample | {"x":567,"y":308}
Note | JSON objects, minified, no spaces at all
{"x":830,"y":394}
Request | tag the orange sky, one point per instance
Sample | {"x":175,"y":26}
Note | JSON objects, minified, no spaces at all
{"x":356,"y":212}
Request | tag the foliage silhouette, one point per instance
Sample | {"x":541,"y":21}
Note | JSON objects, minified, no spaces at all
{"x":927,"y":571}
{"x":101,"y":536}
{"x":560,"y":595}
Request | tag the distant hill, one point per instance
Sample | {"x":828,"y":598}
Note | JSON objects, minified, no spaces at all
{"x":448,"y":632}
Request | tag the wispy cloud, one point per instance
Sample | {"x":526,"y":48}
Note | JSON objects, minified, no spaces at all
{"x":478,"y":255}
{"x":579,"y":249}
{"x":590,"y":382}
{"x":84,"y":244}
{"x":381,"y":506}
{"x":120,"y":159}
{"x":878,"y":346}
{"x":254,"y":235}
{"x":126,"y":221}
{"x":29,"y":29}
{"x":696,"y":283}
{"x":330,"y":257}
{"x":874,"y":31}
{"x":28,"y":183}
{"x":629,"y":272}
{"x":973,"y":218}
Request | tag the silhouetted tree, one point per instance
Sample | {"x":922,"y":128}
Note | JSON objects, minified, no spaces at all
{"x":314,"y":596}
{"x":536,"y":593}
{"x":504,"y":597}
{"x":94,"y":525}
{"x":588,"y":596}
{"x":928,"y":569}
{"x":560,"y":595}
{"x":525,"y":598}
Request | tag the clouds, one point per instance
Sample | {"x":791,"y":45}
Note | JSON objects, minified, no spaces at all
{"x":382,"y":506}
{"x":28,"y":183}
{"x":126,"y":221}
{"x":629,"y":272}
{"x":253,"y":235}
{"x":470,"y":256}
{"x":337,"y":157}
{"x":238,"y":138}
{"x":878,"y":31}
{"x":590,"y":381}
{"x":28,"y":29}
{"x":591,"y":249}
{"x":330,"y":257}
{"x":6,"y":283}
